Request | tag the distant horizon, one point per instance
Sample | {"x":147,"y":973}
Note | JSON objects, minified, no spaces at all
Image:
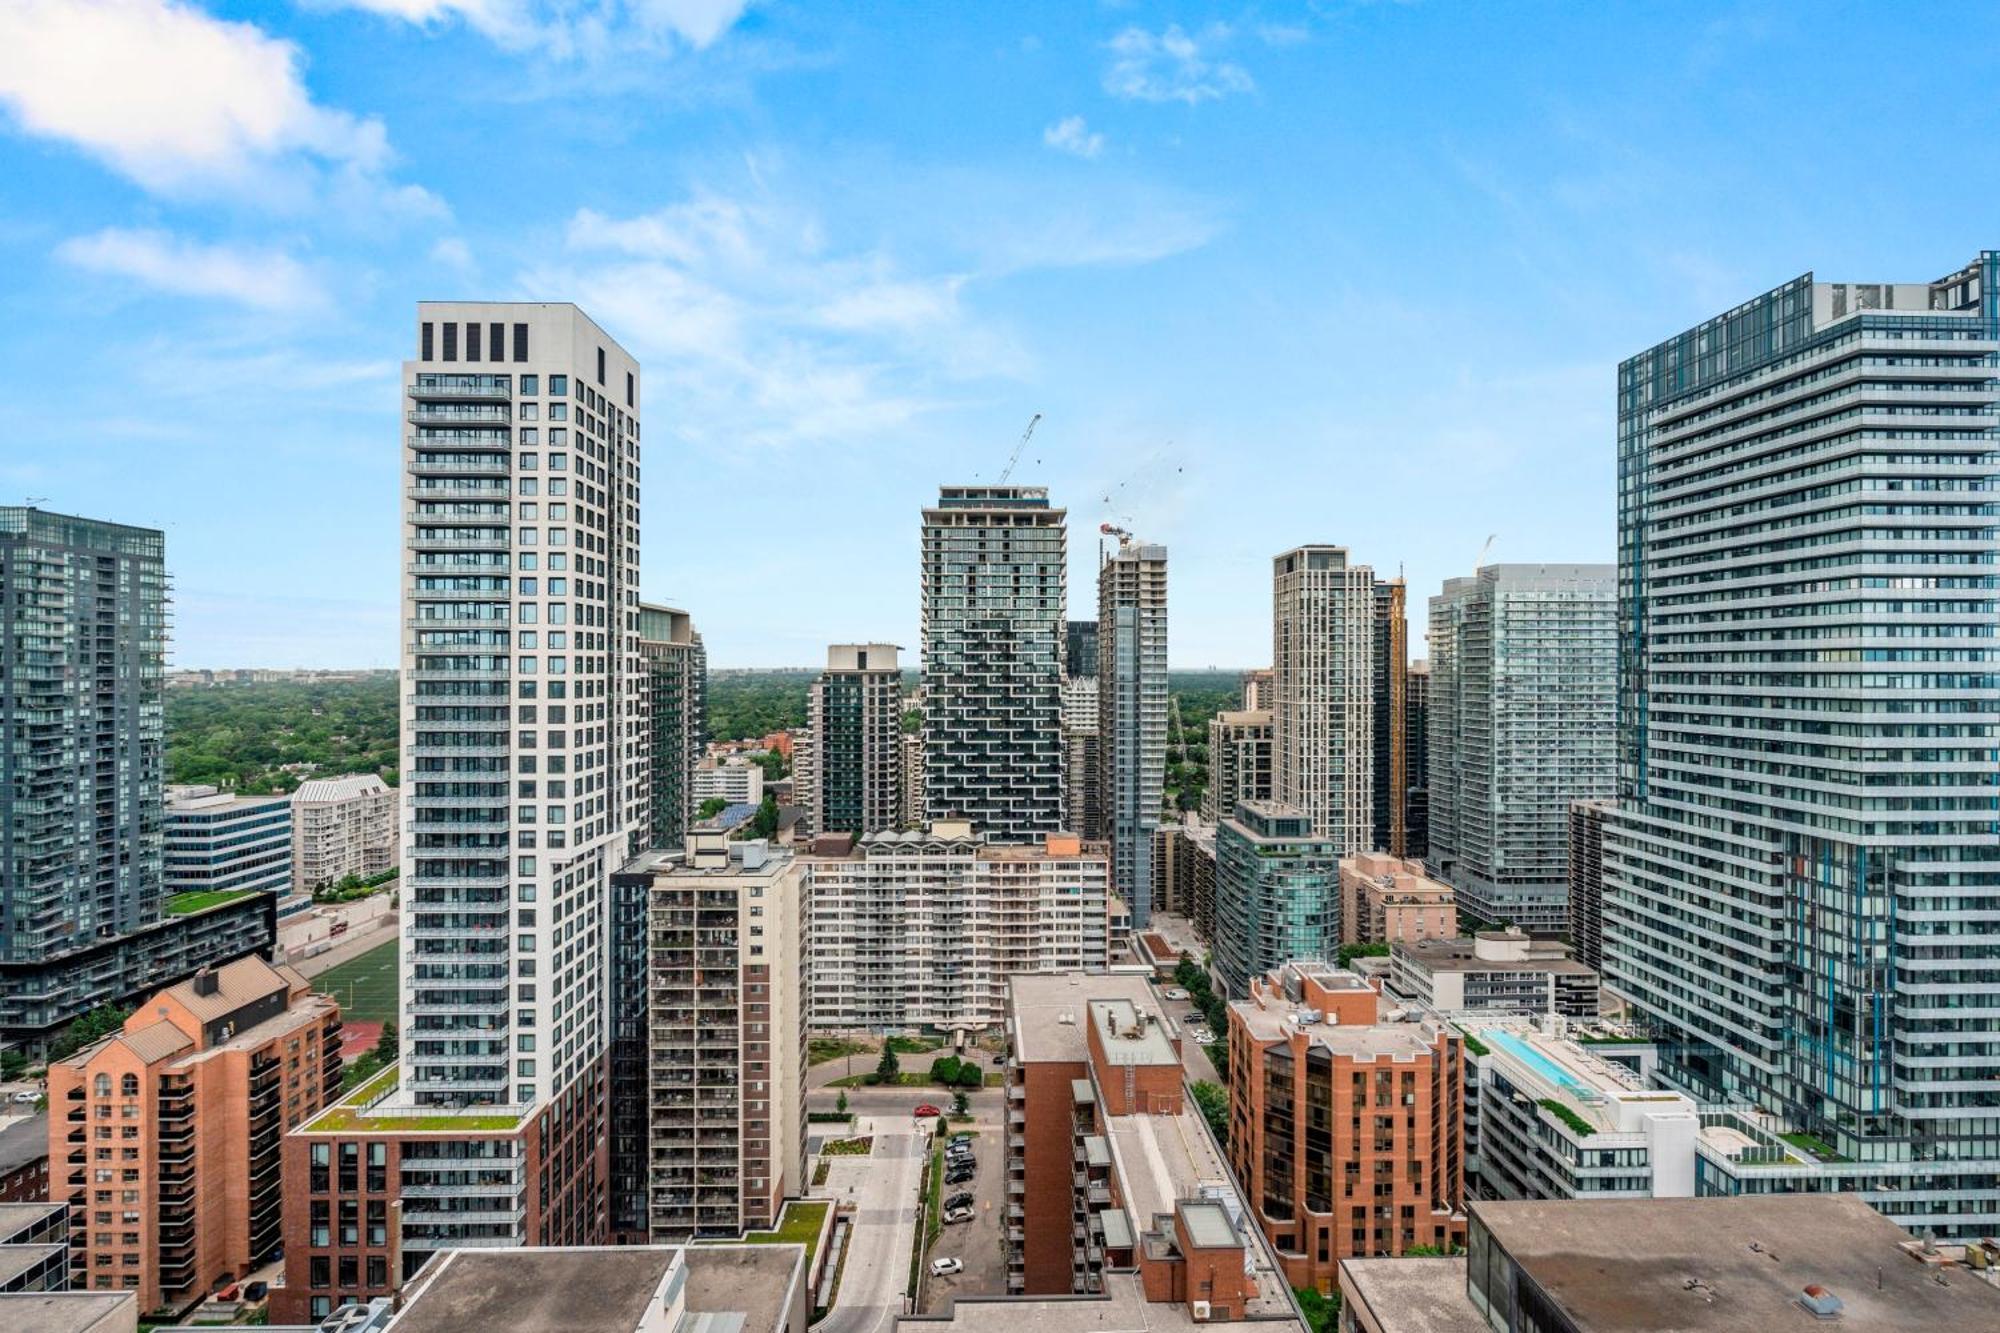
{"x":713,"y":668}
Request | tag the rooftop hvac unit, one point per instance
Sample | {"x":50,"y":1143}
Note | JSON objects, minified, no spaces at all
{"x":1200,"y":1311}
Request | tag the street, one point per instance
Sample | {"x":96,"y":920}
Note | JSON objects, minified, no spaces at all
{"x":882,"y":1187}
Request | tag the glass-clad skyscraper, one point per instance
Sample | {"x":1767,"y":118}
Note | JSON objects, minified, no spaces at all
{"x":1132,"y":712}
{"x":1522,"y":679}
{"x":1802,"y":882}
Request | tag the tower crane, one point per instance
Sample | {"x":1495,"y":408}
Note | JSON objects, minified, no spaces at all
{"x":1008,"y":471}
{"x":1484,"y":549}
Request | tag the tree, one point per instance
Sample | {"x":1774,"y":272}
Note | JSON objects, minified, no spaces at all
{"x":1187,"y":973}
{"x":961,"y":1104}
{"x":765,"y":823}
{"x":90,"y":1027}
{"x":1213,"y":1100}
{"x":888,"y":1068}
{"x":1347,"y":953}
{"x":840,"y":1102}
{"x":13,"y":1064}
{"x":944,"y":1070}
{"x":970,"y":1075}
{"x":387,"y":1044}
{"x":772,"y":763}
{"x":711,"y":807}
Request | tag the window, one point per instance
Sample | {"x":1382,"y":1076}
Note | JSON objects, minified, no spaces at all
{"x":378,"y":1271}
{"x":101,"y":1085}
{"x":378,"y":1222}
{"x":320,"y":1214}
{"x":129,"y":1085}
{"x":631,"y":389}
{"x":350,"y":1222}
{"x":321,"y":1270}
{"x":600,"y":365}
{"x":530,"y":384}
{"x":427,"y":341}
{"x":450,"y":341}
{"x":521,"y":345}
{"x":558,"y":384}
{"x":350,"y":1272}
{"x":496,"y":342}
{"x":471,"y":342}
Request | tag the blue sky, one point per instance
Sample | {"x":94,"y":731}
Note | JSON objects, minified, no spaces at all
{"x":1273,"y":273}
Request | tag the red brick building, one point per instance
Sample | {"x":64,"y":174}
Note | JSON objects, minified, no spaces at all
{"x":374,"y":1187}
{"x":166,"y":1139}
{"x":24,"y":1160}
{"x":1114,"y":1180}
{"x":1348,"y":1134}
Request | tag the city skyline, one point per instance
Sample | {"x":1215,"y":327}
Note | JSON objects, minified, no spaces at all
{"x":1157,"y":229}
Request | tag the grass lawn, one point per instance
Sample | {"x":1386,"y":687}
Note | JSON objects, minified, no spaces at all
{"x":821,"y":1049}
{"x":1814,"y":1148}
{"x":364,"y":986}
{"x":798,"y":1225}
{"x":181,"y":904}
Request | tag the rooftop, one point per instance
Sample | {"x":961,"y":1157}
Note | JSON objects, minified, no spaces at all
{"x":1123,"y":1308}
{"x":1412,"y":1295}
{"x":344,"y":788}
{"x":1129,"y":1034}
{"x":1039,"y":1004}
{"x":1364,"y":1041}
{"x":373,"y":1108}
{"x":1457,"y":955}
{"x":23,"y":1141}
{"x":18,"y":1259}
{"x":70,"y":1311}
{"x":1731,"y":1264}
{"x":15,"y":1216}
{"x":605,"y":1289}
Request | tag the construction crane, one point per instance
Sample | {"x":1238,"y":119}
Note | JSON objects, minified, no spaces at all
{"x":1484,"y":549}
{"x":1113,"y":530}
{"x":1008,"y":471}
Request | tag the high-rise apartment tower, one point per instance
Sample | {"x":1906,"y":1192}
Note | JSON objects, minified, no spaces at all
{"x":854,"y":712}
{"x":1132,"y":712}
{"x":1322,"y":694}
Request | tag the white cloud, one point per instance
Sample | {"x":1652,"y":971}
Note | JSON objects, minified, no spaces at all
{"x":453,"y":252}
{"x":260,"y":279}
{"x":182,"y":102}
{"x":1071,"y":135}
{"x":590,"y":28}
{"x":1173,"y":66}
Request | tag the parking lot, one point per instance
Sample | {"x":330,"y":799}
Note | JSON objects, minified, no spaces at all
{"x":980,"y":1243}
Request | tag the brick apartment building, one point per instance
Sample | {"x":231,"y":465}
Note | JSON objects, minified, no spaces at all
{"x":1385,"y":899}
{"x":1347,"y":1133}
{"x":165,"y":1139}
{"x":1113,"y":1174}
{"x":374,"y":1187}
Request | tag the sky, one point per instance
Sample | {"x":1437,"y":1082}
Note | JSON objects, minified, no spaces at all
{"x":1357,"y":273}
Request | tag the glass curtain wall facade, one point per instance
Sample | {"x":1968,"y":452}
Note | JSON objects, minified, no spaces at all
{"x":1802,"y":879}
{"x":1523,"y":681}
{"x":1132,"y":713}
{"x":675,"y":697}
{"x":1277,"y":892}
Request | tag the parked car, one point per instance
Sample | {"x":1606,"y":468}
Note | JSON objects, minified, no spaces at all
{"x":959,"y":1175}
{"x":961,"y":1137}
{"x":959,"y":1150}
{"x":26,"y":1098}
{"x":256,"y":1291}
{"x":925,"y":1111}
{"x":960,"y":1200}
{"x":228,"y":1293}
{"x":1174,"y":993}
{"x":939,"y":1267}
{"x":952,"y":1215}
{"x":999,"y":1062}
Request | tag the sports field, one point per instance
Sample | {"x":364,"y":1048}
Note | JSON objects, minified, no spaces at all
{"x":365,"y":986}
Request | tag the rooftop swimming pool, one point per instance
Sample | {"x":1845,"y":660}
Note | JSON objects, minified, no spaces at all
{"x":1513,"y":1044}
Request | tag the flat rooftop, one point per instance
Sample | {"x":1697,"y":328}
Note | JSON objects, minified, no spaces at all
{"x":15,"y":1216}
{"x":606,"y":1289}
{"x":1039,"y":1002}
{"x":1413,"y":1295}
{"x":1132,"y":1034}
{"x":1732,"y":1263}
{"x":69,"y":1311}
{"x":1449,"y":955}
{"x":376,"y":1108}
{"x":1122,"y":1308}
{"x":1361,"y":1041}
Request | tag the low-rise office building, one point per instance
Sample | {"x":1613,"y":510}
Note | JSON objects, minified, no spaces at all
{"x":218,"y":842}
{"x":1493,"y":970}
{"x":1386,"y":900}
{"x":166,"y":1138}
{"x":1691,"y":1265}
{"x":1347,"y":1132}
{"x":343,"y":826}
{"x":923,"y":930}
{"x":1112,"y":1173}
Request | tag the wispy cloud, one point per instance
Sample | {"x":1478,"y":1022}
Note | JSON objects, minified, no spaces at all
{"x":183,"y":103}
{"x":589,"y":29}
{"x":1173,"y":65}
{"x":259,"y":279}
{"x":1071,"y":135}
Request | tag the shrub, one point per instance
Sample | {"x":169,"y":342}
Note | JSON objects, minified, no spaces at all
{"x":945,"y":1069}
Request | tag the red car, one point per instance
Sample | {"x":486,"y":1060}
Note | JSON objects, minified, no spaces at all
{"x":927,"y":1112}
